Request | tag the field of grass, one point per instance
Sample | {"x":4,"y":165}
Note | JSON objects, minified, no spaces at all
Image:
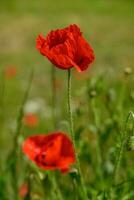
{"x":102,"y":98}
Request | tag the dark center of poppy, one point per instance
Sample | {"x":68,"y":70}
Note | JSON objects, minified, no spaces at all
{"x":79,"y":60}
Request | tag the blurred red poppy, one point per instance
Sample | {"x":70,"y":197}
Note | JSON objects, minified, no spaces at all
{"x":23,"y":190}
{"x":50,"y":152}
{"x":10,"y":72}
{"x":66,"y":48}
{"x":30,"y":120}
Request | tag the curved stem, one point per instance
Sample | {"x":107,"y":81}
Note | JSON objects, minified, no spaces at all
{"x":123,"y":140}
{"x":56,"y":188}
{"x":73,"y":135}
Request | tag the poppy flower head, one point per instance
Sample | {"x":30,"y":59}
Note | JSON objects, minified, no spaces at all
{"x":10,"y":72}
{"x":50,"y":152}
{"x":23,"y":190}
{"x":66,"y":48}
{"x":31,"y":120}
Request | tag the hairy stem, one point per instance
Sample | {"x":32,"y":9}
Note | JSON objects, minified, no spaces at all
{"x":73,"y":135}
{"x":120,"y":154}
{"x":56,"y":188}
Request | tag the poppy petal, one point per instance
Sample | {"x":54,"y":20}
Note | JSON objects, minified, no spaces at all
{"x":66,"y":48}
{"x":50,"y":152}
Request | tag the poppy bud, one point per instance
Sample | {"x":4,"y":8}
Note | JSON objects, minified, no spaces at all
{"x":130,"y":144}
{"x":23,"y":190}
{"x":92,"y":93}
{"x":127,"y":71}
{"x":73,"y":173}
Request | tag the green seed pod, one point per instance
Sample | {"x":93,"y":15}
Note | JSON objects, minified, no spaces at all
{"x":92,"y":93}
{"x":127,"y":71}
{"x":130,"y":144}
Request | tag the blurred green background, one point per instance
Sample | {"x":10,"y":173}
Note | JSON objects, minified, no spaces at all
{"x":108,"y":25}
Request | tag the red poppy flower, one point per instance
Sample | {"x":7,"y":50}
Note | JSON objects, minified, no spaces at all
{"x":30,"y":120}
{"x":23,"y":190}
{"x":66,"y":48}
{"x":50,"y":152}
{"x":10,"y":72}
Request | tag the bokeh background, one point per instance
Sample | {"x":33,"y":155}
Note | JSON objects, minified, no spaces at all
{"x":109,"y":27}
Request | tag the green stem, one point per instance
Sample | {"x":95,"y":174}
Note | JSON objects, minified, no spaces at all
{"x":73,"y":135}
{"x":120,"y":154}
{"x":56,"y":188}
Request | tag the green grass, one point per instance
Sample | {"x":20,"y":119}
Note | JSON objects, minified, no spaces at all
{"x":108,"y":26}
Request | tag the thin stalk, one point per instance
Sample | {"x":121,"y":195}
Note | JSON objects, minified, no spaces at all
{"x":73,"y":135}
{"x":14,"y":154}
{"x":56,"y":188}
{"x":120,"y":154}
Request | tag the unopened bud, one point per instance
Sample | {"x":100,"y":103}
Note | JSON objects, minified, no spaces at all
{"x":127,"y":71}
{"x":73,"y":172}
{"x":92,"y":93}
{"x":130,"y":144}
